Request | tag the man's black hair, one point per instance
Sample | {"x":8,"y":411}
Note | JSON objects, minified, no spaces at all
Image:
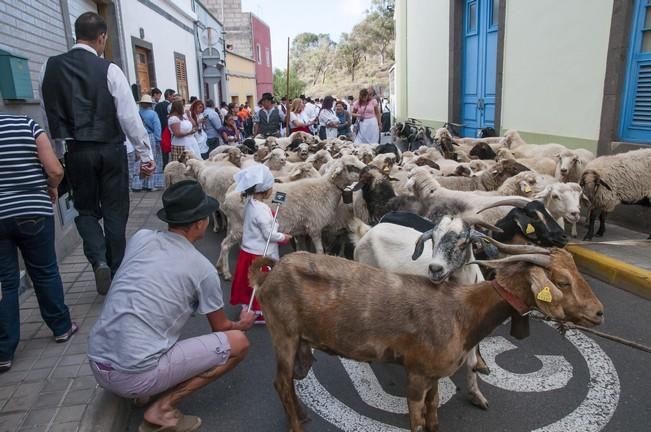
{"x":156,"y":90}
{"x":193,"y":98}
{"x":210,"y":103}
{"x":169,"y":92}
{"x":89,"y":26}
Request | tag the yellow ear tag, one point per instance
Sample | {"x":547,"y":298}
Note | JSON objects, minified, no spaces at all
{"x":527,"y":189}
{"x":530,"y":229}
{"x":545,"y":295}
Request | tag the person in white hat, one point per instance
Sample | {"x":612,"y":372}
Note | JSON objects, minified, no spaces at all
{"x":152,"y":124}
{"x":255,"y":184}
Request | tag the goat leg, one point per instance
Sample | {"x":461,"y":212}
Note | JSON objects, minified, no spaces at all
{"x":481,"y":365}
{"x":472,"y":385}
{"x":431,"y":407}
{"x":591,"y":221}
{"x":286,"y":350}
{"x":417,"y":388}
{"x":602,"y":223}
{"x":304,"y":360}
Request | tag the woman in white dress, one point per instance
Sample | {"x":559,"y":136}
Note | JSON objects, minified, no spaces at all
{"x":182,"y":132}
{"x":198,"y":121}
{"x":328,"y":120}
{"x":367,"y":113}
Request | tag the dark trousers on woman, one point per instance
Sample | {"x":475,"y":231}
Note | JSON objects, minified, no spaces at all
{"x":34,"y":236}
{"x":99,"y":176}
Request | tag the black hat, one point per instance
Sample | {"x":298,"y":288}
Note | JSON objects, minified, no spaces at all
{"x":186,"y":202}
{"x":267,"y":96}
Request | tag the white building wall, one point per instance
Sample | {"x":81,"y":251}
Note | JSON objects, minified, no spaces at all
{"x":166,"y":38}
{"x":555,"y":65}
{"x":427,"y":55}
{"x":78,"y":7}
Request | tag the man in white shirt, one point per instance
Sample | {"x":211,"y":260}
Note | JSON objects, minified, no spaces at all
{"x":88,"y":103}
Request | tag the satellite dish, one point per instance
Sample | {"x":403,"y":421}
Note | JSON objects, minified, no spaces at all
{"x":209,"y":41}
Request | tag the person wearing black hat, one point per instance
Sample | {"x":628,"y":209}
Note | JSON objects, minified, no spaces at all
{"x":269,"y":119}
{"x":134,"y":349}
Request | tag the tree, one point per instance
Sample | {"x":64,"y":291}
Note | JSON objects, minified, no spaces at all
{"x":350,"y":53}
{"x":296,"y":86}
{"x":377,"y":29}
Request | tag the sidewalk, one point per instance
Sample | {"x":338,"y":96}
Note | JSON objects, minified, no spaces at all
{"x":626,"y":266}
{"x":50,"y":388}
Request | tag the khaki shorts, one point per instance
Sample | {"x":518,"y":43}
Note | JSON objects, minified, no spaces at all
{"x":186,"y":359}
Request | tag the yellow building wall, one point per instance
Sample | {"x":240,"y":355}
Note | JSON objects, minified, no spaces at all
{"x":554,"y":67}
{"x":240,"y":73}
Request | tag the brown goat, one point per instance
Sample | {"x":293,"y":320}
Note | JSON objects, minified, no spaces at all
{"x":366,"y":314}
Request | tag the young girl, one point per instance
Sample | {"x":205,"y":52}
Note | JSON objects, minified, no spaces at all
{"x":255,"y":184}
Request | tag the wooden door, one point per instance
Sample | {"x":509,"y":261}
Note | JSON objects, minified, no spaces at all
{"x":181,"y":77}
{"x":142,"y":70}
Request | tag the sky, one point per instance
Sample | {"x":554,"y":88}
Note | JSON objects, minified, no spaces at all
{"x":287,"y":18}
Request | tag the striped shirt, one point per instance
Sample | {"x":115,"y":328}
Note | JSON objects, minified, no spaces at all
{"x":23,"y":182}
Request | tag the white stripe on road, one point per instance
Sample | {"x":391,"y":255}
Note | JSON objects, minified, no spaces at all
{"x":554,"y":374}
{"x":371,"y":392}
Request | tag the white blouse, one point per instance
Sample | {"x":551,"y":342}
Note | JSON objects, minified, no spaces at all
{"x":328,"y":116}
{"x":258,"y":222}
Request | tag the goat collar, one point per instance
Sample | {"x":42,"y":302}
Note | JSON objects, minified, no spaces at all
{"x":514,"y":301}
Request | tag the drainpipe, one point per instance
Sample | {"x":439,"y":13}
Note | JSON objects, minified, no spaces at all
{"x":199,"y":59}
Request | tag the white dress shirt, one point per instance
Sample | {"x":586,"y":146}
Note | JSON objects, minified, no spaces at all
{"x":125,"y":106}
{"x":258,"y":223}
{"x":327,"y":116}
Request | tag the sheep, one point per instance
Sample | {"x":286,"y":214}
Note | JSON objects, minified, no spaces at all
{"x":384,"y":162}
{"x":310,"y":302}
{"x":526,"y":184}
{"x":230,"y":154}
{"x":520,"y":149}
{"x":301,"y":154}
{"x":298,"y":172}
{"x":311,"y":206}
{"x":175,"y":172}
{"x":488,"y":180}
{"x":276,"y":160}
{"x":563,"y":201}
{"x":608,"y":181}
{"x":570,"y":164}
{"x":543,"y":165}
{"x":319,"y":159}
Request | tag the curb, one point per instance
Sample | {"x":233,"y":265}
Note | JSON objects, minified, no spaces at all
{"x":613,"y":271}
{"x":106,"y":413}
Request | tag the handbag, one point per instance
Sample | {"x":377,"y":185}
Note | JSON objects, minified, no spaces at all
{"x":322,"y":132}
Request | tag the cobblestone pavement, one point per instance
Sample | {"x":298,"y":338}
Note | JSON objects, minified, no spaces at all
{"x":50,"y":385}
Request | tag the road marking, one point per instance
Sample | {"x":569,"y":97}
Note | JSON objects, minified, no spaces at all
{"x":599,"y":405}
{"x":592,"y":414}
{"x":370,"y":390}
{"x":554,"y":374}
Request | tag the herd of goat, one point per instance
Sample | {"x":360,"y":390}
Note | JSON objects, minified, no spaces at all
{"x":495,"y":201}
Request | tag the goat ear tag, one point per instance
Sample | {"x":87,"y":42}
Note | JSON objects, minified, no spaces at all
{"x":527,"y":189}
{"x":545,"y":295}
{"x":530,"y":229}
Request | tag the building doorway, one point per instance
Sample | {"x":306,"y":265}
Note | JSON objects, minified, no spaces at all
{"x":142,"y":69}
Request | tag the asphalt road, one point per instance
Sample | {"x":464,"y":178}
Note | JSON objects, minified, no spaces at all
{"x":584,"y":384}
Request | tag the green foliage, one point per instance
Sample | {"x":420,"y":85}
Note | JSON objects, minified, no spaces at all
{"x":361,"y":58}
{"x":296,"y":86}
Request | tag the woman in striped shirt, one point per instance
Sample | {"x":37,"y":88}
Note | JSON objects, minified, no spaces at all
{"x":29,"y":176}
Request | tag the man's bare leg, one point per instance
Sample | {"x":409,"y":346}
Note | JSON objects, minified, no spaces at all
{"x":163,"y":412}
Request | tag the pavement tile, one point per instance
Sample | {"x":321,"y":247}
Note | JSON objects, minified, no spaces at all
{"x":65,"y":427}
{"x":46,"y":362}
{"x":72,"y":268}
{"x":84,"y":382}
{"x":10,"y":422}
{"x":69,"y":277}
{"x":78,"y":397}
{"x":65,"y":371}
{"x":77,"y":348}
{"x":7,"y":391}
{"x":56,"y":384}
{"x":70,"y":414}
{"x":75,"y":359}
{"x":40,"y":417}
{"x":38,"y":374}
{"x":12,"y":377}
{"x":39,"y":428}
{"x":23,"y":364}
{"x":49,"y":400}
{"x":85,"y":370}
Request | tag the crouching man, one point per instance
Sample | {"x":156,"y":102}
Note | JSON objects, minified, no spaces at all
{"x":134,"y":348}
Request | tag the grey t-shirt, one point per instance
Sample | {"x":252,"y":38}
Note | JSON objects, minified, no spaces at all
{"x":163,"y":279}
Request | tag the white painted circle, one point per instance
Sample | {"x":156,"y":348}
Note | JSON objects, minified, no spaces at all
{"x":592,"y":414}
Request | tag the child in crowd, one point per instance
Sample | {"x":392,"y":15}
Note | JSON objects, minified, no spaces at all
{"x":255,"y":184}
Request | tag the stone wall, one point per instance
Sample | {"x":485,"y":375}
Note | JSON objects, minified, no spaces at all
{"x":237,"y":24}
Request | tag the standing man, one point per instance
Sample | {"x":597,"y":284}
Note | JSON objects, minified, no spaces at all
{"x":163,"y":111}
{"x":269,"y":119}
{"x":213,"y":125}
{"x":88,"y":103}
{"x":156,"y":94}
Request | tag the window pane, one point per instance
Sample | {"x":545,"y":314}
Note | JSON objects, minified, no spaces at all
{"x":495,"y":14}
{"x":647,"y":19}
{"x":472,"y":17}
{"x":646,"y":41}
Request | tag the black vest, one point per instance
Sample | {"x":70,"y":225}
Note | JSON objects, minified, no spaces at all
{"x":269,"y":126}
{"x":77,"y":100}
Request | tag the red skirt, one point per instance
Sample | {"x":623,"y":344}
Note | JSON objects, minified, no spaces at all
{"x":240,"y":289}
{"x":301,"y":129}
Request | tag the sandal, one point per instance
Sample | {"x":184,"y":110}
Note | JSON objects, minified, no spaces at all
{"x":185,"y":424}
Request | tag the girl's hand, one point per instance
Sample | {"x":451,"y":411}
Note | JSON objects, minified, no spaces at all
{"x":287,"y":238}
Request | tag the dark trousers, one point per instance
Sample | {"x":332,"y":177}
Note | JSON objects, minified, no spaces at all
{"x":212,"y":143}
{"x":99,"y":176}
{"x":34,"y":236}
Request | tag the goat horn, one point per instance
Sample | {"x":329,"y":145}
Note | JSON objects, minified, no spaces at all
{"x":514,"y":249}
{"x":477,"y":221}
{"x":420,"y":244}
{"x":536,"y":259}
{"x":515,"y":202}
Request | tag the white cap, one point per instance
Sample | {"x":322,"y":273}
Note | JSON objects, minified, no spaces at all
{"x":257,"y":175}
